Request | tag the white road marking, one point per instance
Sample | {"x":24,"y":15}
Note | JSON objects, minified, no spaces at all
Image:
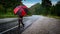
{"x":12,"y":28}
{"x":8,"y":30}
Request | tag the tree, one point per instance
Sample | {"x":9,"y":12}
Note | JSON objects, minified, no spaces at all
{"x":57,"y":8}
{"x":9,"y":4}
{"x":46,"y":4}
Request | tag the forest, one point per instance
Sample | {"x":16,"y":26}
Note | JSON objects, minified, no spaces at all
{"x":45,"y":8}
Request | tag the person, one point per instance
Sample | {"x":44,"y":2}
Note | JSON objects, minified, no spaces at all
{"x":19,"y":10}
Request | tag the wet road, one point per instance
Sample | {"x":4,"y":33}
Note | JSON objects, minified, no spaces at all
{"x":44,"y":25}
{"x":11,"y":27}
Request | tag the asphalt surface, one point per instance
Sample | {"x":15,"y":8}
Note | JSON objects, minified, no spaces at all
{"x":33,"y":25}
{"x":12,"y":27}
{"x":44,"y":25}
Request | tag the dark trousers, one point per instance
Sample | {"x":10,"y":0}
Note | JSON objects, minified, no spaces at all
{"x":20,"y":20}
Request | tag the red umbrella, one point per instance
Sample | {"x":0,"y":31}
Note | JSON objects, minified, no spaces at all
{"x":21,"y":8}
{"x":16,"y":9}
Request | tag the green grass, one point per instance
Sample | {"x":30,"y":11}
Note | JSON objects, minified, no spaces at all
{"x":7,"y":16}
{"x":57,"y":17}
{"x":10,"y":16}
{"x":52,"y":16}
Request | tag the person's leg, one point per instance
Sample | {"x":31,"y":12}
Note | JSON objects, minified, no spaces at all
{"x":22,"y":21}
{"x":19,"y":19}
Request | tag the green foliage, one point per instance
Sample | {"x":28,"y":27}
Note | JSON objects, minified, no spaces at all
{"x":38,"y":9}
{"x":57,"y":8}
{"x":29,"y":13}
{"x":10,"y":11}
{"x":7,"y":6}
{"x":46,"y":8}
{"x":9,"y":3}
{"x":1,"y":9}
{"x":35,"y":8}
{"x":46,"y":3}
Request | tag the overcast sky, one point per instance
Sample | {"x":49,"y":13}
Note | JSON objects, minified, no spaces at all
{"x":29,"y":3}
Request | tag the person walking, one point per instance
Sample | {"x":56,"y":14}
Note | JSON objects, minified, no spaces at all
{"x":21,"y":11}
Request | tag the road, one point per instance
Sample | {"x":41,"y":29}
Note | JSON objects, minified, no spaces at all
{"x":12,"y":27}
{"x":35,"y":24}
{"x":44,"y":25}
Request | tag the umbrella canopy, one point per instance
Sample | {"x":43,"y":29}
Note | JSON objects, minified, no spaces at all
{"x":21,"y":9}
{"x":16,"y":9}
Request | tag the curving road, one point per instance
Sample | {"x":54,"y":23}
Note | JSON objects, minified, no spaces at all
{"x":44,"y":25}
{"x":7,"y":28}
{"x":34,"y":24}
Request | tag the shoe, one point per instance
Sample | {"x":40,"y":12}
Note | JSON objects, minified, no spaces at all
{"x":23,"y":25}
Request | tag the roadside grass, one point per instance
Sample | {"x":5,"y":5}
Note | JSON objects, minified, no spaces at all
{"x":52,"y":16}
{"x":57,"y":17}
{"x":15,"y":16}
{"x":8,"y":16}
